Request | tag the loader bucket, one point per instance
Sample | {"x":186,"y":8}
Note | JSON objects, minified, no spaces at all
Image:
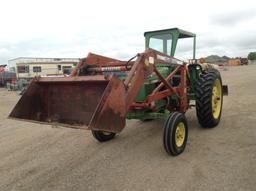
{"x":74,"y":102}
{"x":110,"y":112}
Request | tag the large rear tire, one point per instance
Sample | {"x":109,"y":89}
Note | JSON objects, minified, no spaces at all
{"x":175,"y":134}
{"x":209,"y":99}
{"x":103,"y":136}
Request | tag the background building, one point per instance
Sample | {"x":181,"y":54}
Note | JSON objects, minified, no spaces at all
{"x":26,"y":67}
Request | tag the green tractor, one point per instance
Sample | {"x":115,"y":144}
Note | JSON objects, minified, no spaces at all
{"x":103,"y":92}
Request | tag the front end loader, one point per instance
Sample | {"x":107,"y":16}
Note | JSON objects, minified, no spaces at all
{"x":102,"y":92}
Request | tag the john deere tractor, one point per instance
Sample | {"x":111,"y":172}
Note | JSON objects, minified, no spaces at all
{"x":103,"y":92}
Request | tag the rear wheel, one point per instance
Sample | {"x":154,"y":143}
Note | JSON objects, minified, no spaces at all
{"x":209,"y":99}
{"x":175,"y":134}
{"x":103,"y":136}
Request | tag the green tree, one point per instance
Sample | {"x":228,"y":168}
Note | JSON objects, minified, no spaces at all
{"x":252,"y":56}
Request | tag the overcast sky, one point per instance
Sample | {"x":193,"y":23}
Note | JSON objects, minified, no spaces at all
{"x":51,"y":28}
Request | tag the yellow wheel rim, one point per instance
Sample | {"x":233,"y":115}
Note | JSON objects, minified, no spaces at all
{"x":216,"y":98}
{"x":106,"y":133}
{"x":180,"y":134}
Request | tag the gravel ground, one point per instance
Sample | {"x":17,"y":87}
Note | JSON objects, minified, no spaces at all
{"x":39,"y":157}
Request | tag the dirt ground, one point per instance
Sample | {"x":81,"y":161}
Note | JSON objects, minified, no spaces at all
{"x":39,"y":157}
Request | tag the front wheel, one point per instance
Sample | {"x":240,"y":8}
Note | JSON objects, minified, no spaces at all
{"x":103,"y":136}
{"x":175,"y":134}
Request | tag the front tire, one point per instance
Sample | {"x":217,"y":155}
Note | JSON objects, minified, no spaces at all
{"x":103,"y":136}
{"x":175,"y":134}
{"x":209,"y":99}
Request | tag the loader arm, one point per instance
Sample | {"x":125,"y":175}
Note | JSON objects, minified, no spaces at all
{"x":118,"y":97}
